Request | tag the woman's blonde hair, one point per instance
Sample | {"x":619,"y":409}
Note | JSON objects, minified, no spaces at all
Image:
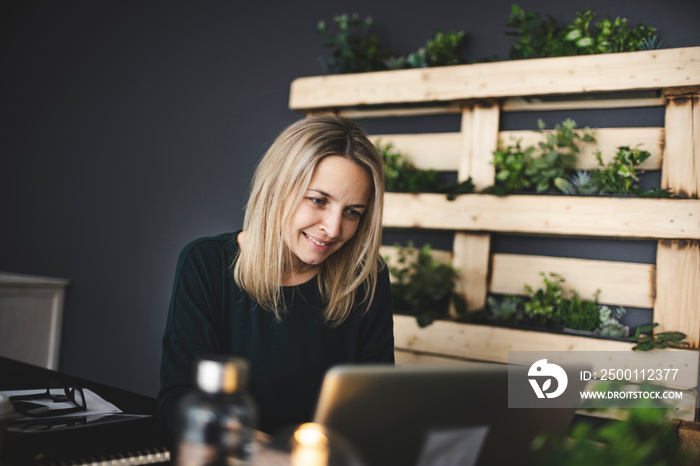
{"x":282,"y":177}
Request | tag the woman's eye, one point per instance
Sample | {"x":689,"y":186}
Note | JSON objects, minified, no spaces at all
{"x":318,"y":201}
{"x":354,"y":213}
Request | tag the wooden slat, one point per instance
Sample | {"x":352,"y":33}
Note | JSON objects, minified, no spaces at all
{"x":681,"y":167}
{"x":487,"y":343}
{"x":483,"y":137}
{"x":400,"y":111}
{"x":437,"y":151}
{"x":678,"y":288}
{"x":654,"y":69}
{"x":404,"y":358}
{"x":517,"y":104}
{"x":607,"y":141}
{"x":471,"y":258}
{"x":560,"y":215}
{"x":441,"y":151}
{"x":620,"y":283}
{"x":391,"y":254}
{"x":587,"y":101}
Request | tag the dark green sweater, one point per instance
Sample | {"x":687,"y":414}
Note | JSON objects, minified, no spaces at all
{"x":209,"y":314}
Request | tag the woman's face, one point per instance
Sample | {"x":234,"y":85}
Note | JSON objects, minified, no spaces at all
{"x":328,"y":215}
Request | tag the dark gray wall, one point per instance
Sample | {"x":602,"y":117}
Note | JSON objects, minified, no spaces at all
{"x":132,"y":127}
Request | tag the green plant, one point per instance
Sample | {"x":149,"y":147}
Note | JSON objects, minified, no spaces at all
{"x":647,"y":339}
{"x":580,"y":182}
{"x":580,"y":314}
{"x":608,"y":36}
{"x":545,"y":302}
{"x":507,"y":309}
{"x":510,"y":162}
{"x":610,"y":324}
{"x":645,"y":437}
{"x":422,"y":286}
{"x":552,"y":304}
{"x":558,"y":154}
{"x":441,"y":50}
{"x":402,"y":176}
{"x":538,"y":37}
{"x":355,"y":49}
{"x":519,"y":169}
{"x":620,"y":175}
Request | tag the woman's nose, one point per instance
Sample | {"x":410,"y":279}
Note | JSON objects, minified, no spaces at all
{"x":331,"y":224}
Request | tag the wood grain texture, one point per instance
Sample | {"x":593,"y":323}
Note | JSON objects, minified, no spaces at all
{"x":654,"y":69}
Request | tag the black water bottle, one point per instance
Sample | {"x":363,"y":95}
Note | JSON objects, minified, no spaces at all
{"x":217,"y":422}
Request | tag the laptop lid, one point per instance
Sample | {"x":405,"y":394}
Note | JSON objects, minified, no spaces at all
{"x":405,"y":415}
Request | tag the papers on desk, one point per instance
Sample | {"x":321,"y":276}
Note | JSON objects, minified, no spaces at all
{"x":97,"y":409}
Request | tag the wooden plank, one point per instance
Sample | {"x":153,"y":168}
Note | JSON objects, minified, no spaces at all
{"x":519,"y":104}
{"x":483,"y":137}
{"x":622,"y":99}
{"x":391,"y":254}
{"x":620,"y":283}
{"x":681,"y":167}
{"x":678,"y":288}
{"x":654,"y":69}
{"x":403,"y":358}
{"x":488,"y":343}
{"x":540,"y":214}
{"x":442,"y":151}
{"x":471,"y":258}
{"x":400,"y":111}
{"x":437,"y":151}
{"x":607,"y":141}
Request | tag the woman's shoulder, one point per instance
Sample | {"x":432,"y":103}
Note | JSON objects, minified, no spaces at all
{"x":224,"y":245}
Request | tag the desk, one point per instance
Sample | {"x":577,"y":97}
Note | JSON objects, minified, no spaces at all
{"x":84,"y":442}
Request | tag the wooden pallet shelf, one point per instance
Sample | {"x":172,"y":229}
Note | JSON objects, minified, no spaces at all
{"x":632,"y":71}
{"x":543,"y":214}
{"x":480,"y":93}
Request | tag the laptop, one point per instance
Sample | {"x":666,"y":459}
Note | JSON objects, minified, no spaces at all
{"x":432,"y":415}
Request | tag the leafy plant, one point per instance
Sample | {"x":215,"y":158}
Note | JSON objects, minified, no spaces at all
{"x":647,"y":339}
{"x":441,"y":50}
{"x":645,"y":437}
{"x":545,"y":302}
{"x":545,"y":37}
{"x":510,"y":162}
{"x":610,"y":324}
{"x":536,"y":37}
{"x":507,"y":309}
{"x":519,"y":169}
{"x":580,"y":314}
{"x":402,"y":176}
{"x":422,"y":286}
{"x":620,"y":174}
{"x":580,"y":182}
{"x":552,"y":304}
{"x":355,"y":48}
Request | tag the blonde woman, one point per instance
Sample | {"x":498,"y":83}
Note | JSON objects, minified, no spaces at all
{"x":301,"y":288}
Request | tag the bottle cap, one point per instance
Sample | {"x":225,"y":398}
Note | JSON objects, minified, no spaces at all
{"x":222,"y":375}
